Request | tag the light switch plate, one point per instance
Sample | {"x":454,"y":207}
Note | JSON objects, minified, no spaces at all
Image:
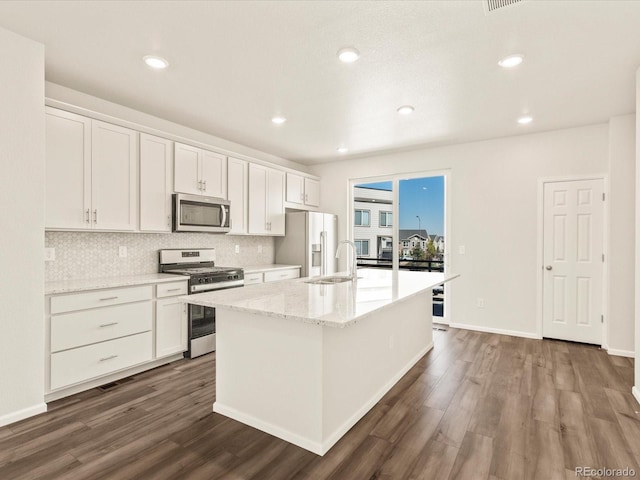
{"x":49,"y":254}
{"x":461,"y":249}
{"x":237,"y":248}
{"x":122,"y":252}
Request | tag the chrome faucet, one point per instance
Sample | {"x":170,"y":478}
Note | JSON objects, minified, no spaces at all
{"x":354,"y":254}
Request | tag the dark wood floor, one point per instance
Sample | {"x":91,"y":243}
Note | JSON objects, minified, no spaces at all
{"x":478,"y":406}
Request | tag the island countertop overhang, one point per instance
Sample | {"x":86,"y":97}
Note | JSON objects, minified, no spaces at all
{"x":337,"y":305}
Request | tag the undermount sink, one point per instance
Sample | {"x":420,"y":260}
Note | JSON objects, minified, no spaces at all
{"x":330,"y":280}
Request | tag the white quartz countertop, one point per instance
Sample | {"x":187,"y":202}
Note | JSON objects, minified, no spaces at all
{"x":268,"y":268}
{"x":337,"y":305}
{"x":70,"y":286}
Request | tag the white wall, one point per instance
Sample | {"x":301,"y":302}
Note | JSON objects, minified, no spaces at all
{"x":621,"y":212}
{"x":22,"y":220}
{"x":494,"y":211}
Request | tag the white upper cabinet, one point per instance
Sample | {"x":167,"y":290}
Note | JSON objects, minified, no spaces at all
{"x":295,"y":188}
{"x":237,"y":189}
{"x":91,"y":174}
{"x":266,"y":200}
{"x":311,"y":192}
{"x":200,"y":172}
{"x":275,"y":201}
{"x":68,"y":161}
{"x":113,"y":176}
{"x":302,"y":191}
{"x":156,"y":177}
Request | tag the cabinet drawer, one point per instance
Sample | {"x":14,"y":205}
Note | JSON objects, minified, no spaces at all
{"x":171,"y":289}
{"x":76,"y":329}
{"x":281,"y":274}
{"x":100,"y":298}
{"x":252,"y":278}
{"x":84,"y":363}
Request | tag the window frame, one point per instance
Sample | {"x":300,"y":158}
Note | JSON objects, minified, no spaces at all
{"x":355,"y":210}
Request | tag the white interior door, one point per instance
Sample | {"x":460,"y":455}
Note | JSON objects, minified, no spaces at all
{"x":573,"y":260}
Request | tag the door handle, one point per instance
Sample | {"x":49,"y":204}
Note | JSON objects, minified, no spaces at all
{"x":549,"y":267}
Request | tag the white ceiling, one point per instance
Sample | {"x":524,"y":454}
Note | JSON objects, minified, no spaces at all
{"x":236,"y":64}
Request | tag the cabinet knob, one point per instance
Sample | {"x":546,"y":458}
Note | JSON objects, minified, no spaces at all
{"x":549,"y":267}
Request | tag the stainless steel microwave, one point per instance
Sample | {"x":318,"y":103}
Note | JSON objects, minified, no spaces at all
{"x":194,"y":213}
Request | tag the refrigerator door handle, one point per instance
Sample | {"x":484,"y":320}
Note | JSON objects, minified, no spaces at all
{"x":323,"y":254}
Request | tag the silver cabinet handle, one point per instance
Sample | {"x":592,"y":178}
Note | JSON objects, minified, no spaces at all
{"x":110,"y":357}
{"x":95,"y":216}
{"x":108,"y":324}
{"x":173,"y":289}
{"x":200,"y":185}
{"x":108,"y":298}
{"x":87,"y":216}
{"x":204,"y":182}
{"x":549,"y":267}
{"x":168,"y":220}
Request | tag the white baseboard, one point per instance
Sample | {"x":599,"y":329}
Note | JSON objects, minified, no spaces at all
{"x":22,"y":414}
{"x":620,"y":353}
{"x":319,"y":448}
{"x":636,"y":393}
{"x":499,"y":331}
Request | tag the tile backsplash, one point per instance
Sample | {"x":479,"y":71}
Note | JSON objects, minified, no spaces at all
{"x":82,"y":255}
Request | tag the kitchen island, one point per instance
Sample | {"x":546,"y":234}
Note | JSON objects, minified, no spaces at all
{"x":305,"y":361}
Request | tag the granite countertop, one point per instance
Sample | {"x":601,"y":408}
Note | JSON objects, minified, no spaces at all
{"x":337,"y":305}
{"x":70,"y":286}
{"x":268,"y":268}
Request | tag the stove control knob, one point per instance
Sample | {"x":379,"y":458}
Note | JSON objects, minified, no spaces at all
{"x":202,"y":280}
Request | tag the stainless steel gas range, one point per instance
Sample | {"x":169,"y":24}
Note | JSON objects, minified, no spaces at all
{"x":204,"y":276}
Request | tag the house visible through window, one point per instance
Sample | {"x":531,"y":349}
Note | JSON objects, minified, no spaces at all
{"x":362,"y":247}
{"x":362,"y":218}
{"x":385,"y":219}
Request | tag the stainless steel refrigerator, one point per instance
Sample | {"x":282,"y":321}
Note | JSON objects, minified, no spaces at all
{"x":310,"y":240}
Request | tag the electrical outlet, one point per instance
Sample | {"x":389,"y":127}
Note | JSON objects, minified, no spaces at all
{"x":237,"y":248}
{"x":259,"y":248}
{"x":461,"y":249}
{"x":480,"y":303}
{"x":122,"y":252}
{"x":49,"y":254}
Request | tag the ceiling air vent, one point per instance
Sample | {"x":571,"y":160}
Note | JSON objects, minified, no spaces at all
{"x":493,"y":5}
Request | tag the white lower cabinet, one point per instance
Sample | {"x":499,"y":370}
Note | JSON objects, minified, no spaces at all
{"x":171,"y":327}
{"x":99,"y":336}
{"x":80,"y":364}
{"x":273,"y":275}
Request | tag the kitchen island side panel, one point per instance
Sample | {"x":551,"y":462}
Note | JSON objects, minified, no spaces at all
{"x":362,"y":362}
{"x":269,"y":375}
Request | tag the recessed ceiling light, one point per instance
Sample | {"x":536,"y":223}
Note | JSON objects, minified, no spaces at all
{"x":405,"y":110}
{"x":348,"y":54}
{"x":278,"y":120}
{"x":342,"y":149}
{"x":511,"y":61}
{"x":156,"y":62}
{"x":525,"y":119}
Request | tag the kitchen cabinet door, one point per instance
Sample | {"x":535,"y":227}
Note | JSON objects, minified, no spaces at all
{"x":275,"y":202}
{"x":156,"y":167}
{"x":311,"y":192}
{"x":238,"y":171}
{"x":68,"y":163}
{"x":187,"y":170}
{"x":257,"y":199}
{"x":114,"y":165}
{"x":213,"y":174}
{"x":171,"y":327}
{"x":295,"y":188}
